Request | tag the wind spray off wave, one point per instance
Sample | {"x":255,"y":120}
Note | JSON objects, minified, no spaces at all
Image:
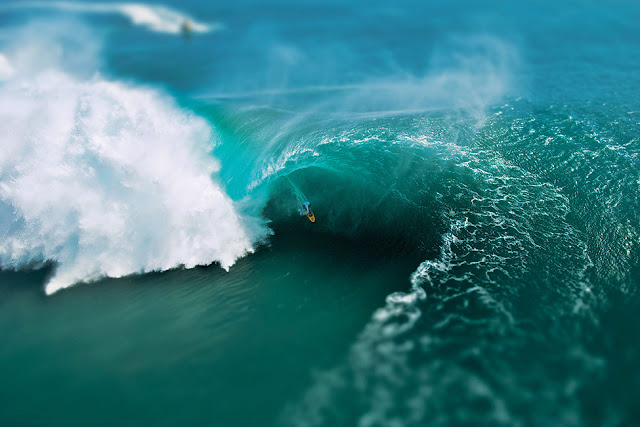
{"x":106,"y":179}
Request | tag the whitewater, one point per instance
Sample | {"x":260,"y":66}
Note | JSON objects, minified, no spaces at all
{"x":103,"y":178}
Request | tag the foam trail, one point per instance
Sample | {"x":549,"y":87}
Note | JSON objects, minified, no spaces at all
{"x":156,"y":18}
{"x":107,"y":179}
{"x":300,"y":197}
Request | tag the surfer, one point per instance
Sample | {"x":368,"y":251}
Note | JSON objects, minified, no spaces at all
{"x":305,"y":209}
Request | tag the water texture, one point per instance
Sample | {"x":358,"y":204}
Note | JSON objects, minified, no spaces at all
{"x":474,"y":170}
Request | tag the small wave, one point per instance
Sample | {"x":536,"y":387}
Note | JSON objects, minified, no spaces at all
{"x":156,"y":18}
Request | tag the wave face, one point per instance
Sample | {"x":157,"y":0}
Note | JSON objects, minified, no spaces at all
{"x":492,"y":237}
{"x":108,"y":179}
{"x":448,"y":349}
{"x":528,"y":230}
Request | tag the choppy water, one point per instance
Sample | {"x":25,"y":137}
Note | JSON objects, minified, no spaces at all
{"x":475,"y":175}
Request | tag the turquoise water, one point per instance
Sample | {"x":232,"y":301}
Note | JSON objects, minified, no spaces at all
{"x":474,"y":170}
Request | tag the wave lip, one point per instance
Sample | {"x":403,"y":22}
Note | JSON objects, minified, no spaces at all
{"x":160,"y":19}
{"x":106,"y":179}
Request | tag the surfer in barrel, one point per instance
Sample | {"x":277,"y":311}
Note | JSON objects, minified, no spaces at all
{"x":306,"y":211}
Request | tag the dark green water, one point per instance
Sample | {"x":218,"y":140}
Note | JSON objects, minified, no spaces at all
{"x":189,"y":346}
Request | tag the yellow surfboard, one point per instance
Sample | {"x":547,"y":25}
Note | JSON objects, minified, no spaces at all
{"x":311,"y":216}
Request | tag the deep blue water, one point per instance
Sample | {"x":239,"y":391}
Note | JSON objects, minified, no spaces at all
{"x":474,"y":169}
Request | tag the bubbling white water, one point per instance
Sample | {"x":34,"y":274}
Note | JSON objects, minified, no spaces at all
{"x":107,"y":179}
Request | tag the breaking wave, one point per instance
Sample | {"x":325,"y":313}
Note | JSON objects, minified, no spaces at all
{"x":109,"y":179}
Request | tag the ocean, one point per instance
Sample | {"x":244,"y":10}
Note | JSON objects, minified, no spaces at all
{"x":473,"y":168}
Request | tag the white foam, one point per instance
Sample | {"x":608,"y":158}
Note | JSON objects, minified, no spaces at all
{"x":156,"y":18}
{"x":106,"y":179}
